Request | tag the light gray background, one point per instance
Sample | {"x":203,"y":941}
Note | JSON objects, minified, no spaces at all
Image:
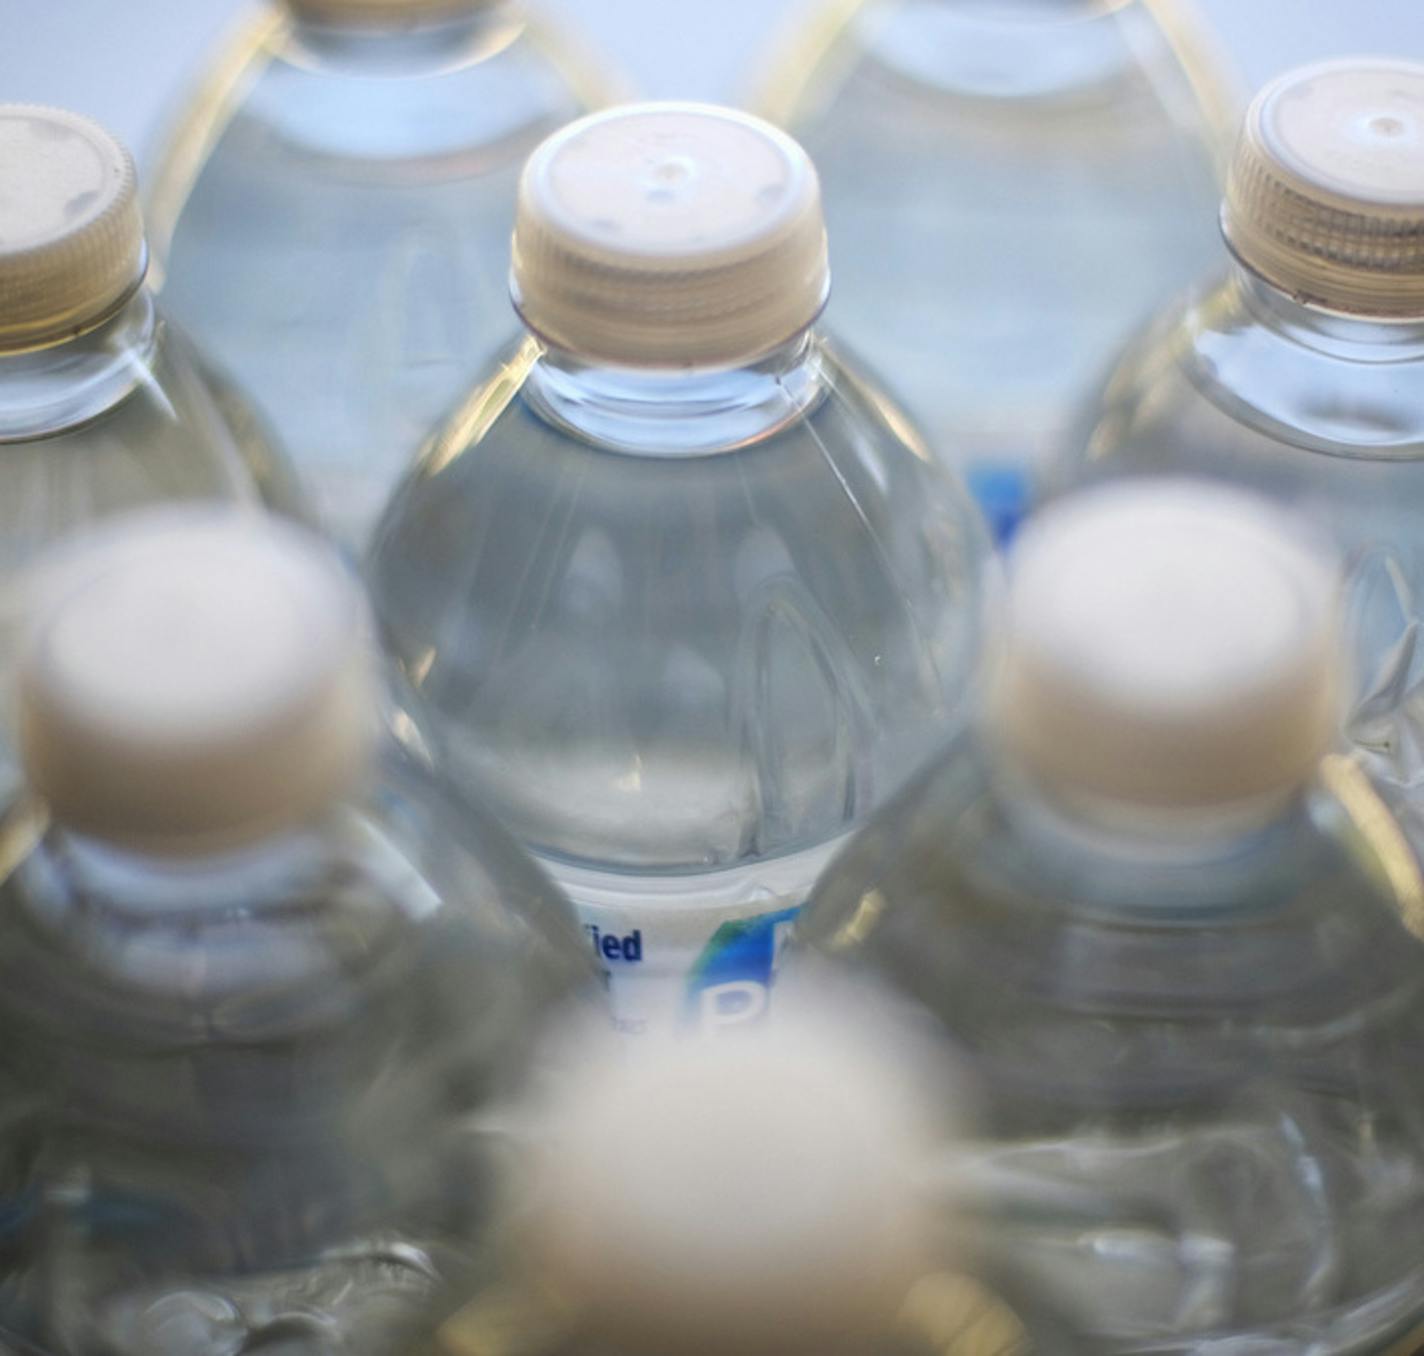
{"x":124,"y":61}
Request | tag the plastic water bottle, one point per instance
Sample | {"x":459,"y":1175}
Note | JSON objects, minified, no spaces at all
{"x":263,"y":984}
{"x":333,"y":210}
{"x":683,"y":593}
{"x":103,"y":407}
{"x":1012,"y":186}
{"x":1177,"y":940}
{"x":760,"y":1197}
{"x":1301,"y":372}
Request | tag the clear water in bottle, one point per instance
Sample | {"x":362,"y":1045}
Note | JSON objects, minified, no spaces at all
{"x":1301,"y":371}
{"x":683,"y":593}
{"x":264,"y":984}
{"x":1176,"y":939}
{"x":1011,"y":185}
{"x":332,"y":214}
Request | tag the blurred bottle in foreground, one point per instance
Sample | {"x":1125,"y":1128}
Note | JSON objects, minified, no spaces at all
{"x":1011,"y":185}
{"x":262,"y":984}
{"x":103,"y":407}
{"x":1301,"y":373}
{"x":332,"y":215}
{"x":1176,"y":940}
{"x":681,"y":591}
{"x":747,"y":1196}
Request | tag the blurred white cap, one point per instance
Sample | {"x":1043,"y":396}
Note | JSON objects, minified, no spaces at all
{"x":1169,"y":645}
{"x":750,"y":1194}
{"x":193,"y":679}
{"x":669,"y":234}
{"x":71,"y":233}
{"x":1325,"y":197}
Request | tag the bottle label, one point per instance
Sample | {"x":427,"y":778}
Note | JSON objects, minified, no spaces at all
{"x":1004,"y":494}
{"x":700,"y":969}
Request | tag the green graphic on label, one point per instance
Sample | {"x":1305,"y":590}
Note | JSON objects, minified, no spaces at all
{"x":678,"y":969}
{"x":730,"y":982}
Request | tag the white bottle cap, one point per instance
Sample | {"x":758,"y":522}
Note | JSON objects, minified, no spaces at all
{"x":669,"y":235}
{"x":750,"y":1193}
{"x":194,"y":679}
{"x":1325,"y":198}
{"x":382,"y":12}
{"x":1168,"y":645}
{"x":71,"y":234}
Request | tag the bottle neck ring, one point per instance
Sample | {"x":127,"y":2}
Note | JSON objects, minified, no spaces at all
{"x":669,"y":412}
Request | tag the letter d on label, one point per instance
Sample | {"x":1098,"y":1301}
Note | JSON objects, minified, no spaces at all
{"x":729,"y":1004}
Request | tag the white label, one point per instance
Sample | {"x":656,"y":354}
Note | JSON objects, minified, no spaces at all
{"x":679,"y":969}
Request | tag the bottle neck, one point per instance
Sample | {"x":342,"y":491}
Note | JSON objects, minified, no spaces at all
{"x":402,"y":45}
{"x":47,"y":391}
{"x":207,"y":927}
{"x":1354,"y":338}
{"x":670,"y":412}
{"x":147,"y":886}
{"x":1083,"y":824}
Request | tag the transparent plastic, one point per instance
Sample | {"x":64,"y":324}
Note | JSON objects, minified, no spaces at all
{"x":1322,"y":411}
{"x":252,"y":1099}
{"x":332,"y":215}
{"x":682,"y":629}
{"x":120,"y":417}
{"x":1194,"y":1045}
{"x":1011,"y":186}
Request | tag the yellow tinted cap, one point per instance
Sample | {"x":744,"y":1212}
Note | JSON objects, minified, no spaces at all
{"x":71,"y":234}
{"x":669,"y":234}
{"x":1325,"y":197}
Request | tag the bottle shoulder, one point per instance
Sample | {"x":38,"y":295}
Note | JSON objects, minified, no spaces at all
{"x":782,"y":482}
{"x":126,"y":416}
{"x":826,"y":421}
{"x":455,"y":107}
{"x":1120,"y":79}
{"x":327,"y":927}
{"x":1210,"y":381}
{"x":51,"y":391}
{"x":1003,"y":924}
{"x":727,"y":652}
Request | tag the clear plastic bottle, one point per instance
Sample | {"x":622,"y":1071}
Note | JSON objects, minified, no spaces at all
{"x":756,"y":1197}
{"x":1301,"y":372}
{"x":1012,"y":186}
{"x":683,"y":592}
{"x":1177,"y":940}
{"x":263,"y":983}
{"x":332,"y":215}
{"x":103,"y":407}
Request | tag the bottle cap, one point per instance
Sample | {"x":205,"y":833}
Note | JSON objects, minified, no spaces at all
{"x":1325,"y":198}
{"x":669,"y":234}
{"x":194,"y":679}
{"x":750,"y":1194}
{"x":1168,"y":646}
{"x":71,"y":234}
{"x":380,"y":12}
